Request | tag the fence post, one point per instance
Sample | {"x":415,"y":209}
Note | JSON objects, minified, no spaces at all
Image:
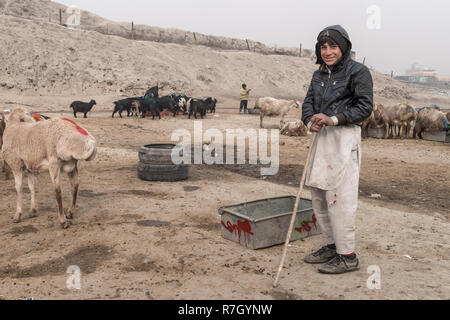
{"x":364,"y":60}
{"x":248,"y":46}
{"x":132,"y":30}
{"x":195,"y":38}
{"x":300,"y":49}
{"x":60,"y":16}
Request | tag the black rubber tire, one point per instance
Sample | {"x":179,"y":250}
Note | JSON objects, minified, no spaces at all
{"x":254,"y":111}
{"x":150,"y":172}
{"x":157,"y":154}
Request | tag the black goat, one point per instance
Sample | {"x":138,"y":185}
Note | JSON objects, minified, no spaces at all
{"x":211,"y":104}
{"x":152,"y":92}
{"x":167,"y":102}
{"x":197,"y":105}
{"x":149,"y":106}
{"x":124,"y":104}
{"x":83,"y":107}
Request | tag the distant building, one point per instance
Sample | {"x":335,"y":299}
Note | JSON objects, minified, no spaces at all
{"x":444,"y":79}
{"x":425,"y":76}
{"x":419,"y":74}
{"x":416,"y":67}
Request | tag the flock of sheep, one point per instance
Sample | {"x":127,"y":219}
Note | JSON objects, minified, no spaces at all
{"x":397,"y":120}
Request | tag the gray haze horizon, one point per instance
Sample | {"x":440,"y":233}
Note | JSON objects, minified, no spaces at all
{"x":410,"y":31}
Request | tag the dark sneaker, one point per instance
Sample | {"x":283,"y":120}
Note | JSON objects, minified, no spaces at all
{"x":340,"y":264}
{"x":322,"y":255}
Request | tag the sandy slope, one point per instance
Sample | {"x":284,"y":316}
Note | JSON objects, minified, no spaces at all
{"x":40,"y":58}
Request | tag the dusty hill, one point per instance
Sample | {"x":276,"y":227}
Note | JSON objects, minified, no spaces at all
{"x":45,"y":10}
{"x":40,"y":57}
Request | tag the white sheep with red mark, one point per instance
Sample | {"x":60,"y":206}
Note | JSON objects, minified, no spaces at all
{"x":56,"y":145}
{"x":272,"y":107}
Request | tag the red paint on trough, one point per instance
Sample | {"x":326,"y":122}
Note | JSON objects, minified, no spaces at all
{"x":79,"y":129}
{"x":242,"y":226}
{"x":306,"y":224}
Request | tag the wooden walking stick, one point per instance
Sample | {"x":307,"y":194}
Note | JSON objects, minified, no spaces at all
{"x":294,"y":213}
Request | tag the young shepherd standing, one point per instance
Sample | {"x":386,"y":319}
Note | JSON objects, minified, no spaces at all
{"x":244,"y":98}
{"x":339,"y":97}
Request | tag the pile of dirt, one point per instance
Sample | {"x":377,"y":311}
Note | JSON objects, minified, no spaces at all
{"x":394,"y":93}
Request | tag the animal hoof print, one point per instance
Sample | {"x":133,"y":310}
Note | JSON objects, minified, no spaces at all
{"x":66,"y":224}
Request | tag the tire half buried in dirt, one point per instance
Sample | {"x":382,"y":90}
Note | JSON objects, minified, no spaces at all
{"x":152,"y":172}
{"x":254,"y":111}
{"x":160,"y":154}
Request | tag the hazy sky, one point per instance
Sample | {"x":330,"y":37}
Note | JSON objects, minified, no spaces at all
{"x":409,"y":30}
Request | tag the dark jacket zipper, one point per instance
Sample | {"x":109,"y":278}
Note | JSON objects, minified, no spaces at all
{"x":328,"y":83}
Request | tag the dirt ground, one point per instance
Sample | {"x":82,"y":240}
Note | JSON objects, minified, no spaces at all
{"x":133,"y":239}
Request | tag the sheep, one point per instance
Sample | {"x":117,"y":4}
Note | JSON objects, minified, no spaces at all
{"x":56,"y":145}
{"x":293,"y":128}
{"x":135,"y":108}
{"x":377,"y":119}
{"x":273,"y":107}
{"x":5,"y":167}
{"x":400,"y":116}
{"x":2,"y":127}
{"x":83,"y":107}
{"x":429,"y":119}
{"x":39,"y":117}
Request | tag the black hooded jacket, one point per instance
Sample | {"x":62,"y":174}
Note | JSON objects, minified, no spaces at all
{"x":345,"y":91}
